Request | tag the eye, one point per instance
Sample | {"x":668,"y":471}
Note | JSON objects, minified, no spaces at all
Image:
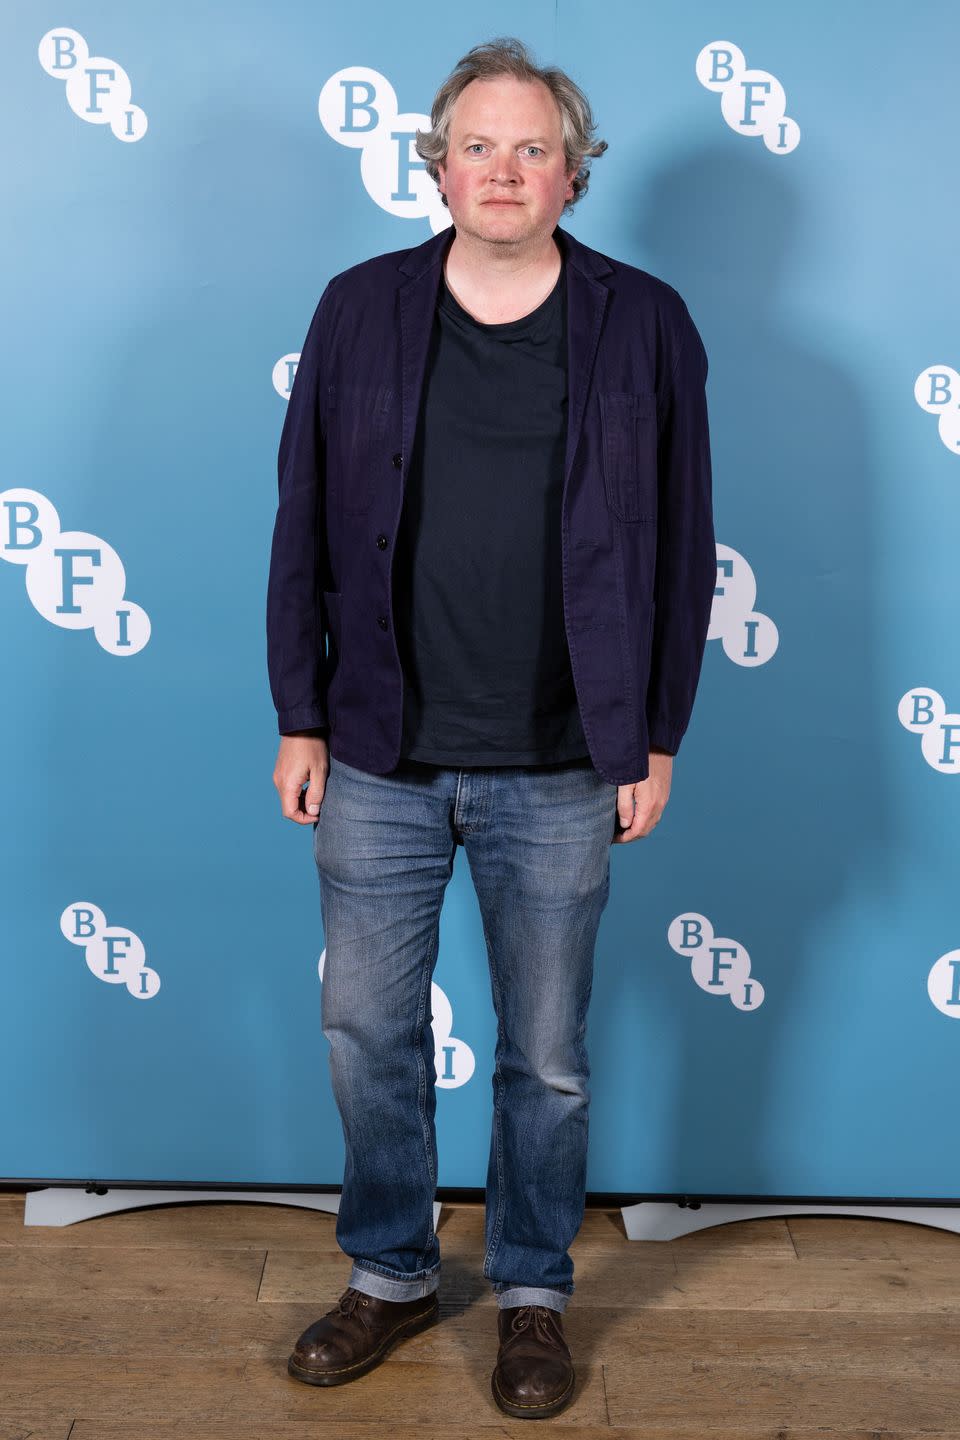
{"x":477,"y":145}
{"x":535,"y":147}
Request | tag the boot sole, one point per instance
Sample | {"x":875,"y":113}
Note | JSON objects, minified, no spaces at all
{"x":345,"y":1373}
{"x":533,"y":1412}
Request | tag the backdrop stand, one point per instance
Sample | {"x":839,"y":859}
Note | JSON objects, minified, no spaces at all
{"x":66,"y":1204}
{"x":658,"y":1221}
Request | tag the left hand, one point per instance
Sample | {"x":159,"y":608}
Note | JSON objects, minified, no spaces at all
{"x":640,"y":805}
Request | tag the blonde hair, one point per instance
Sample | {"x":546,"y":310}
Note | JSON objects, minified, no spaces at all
{"x":508,"y":56}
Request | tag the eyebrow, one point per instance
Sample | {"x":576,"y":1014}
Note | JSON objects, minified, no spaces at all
{"x":533,"y":140}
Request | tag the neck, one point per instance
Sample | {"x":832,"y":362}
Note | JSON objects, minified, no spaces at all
{"x":481,"y":263}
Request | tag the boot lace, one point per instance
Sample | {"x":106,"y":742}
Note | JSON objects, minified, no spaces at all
{"x":350,"y":1300}
{"x":543,"y":1320}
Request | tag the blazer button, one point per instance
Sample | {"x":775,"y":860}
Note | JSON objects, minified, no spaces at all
{"x":397,"y":461}
{"x":382,"y":621}
{"x":381,"y":542}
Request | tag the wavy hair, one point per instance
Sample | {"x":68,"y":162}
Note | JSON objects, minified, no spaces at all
{"x":508,"y":56}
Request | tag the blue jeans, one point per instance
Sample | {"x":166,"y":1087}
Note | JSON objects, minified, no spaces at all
{"x":537,"y":841}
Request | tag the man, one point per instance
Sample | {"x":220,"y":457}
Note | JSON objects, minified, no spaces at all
{"x":495,"y":506}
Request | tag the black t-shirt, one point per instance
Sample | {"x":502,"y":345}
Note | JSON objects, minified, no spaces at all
{"x":477,"y":569}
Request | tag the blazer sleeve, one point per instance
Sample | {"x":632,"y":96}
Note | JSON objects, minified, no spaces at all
{"x":686,"y":567}
{"x":294,"y":626}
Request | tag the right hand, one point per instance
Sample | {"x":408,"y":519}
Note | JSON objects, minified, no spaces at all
{"x":303,"y":759}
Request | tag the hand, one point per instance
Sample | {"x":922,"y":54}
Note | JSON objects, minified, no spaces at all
{"x":640,"y":805}
{"x":303,"y":759}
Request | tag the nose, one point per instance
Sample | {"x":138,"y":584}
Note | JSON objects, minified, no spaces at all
{"x":505,"y":169}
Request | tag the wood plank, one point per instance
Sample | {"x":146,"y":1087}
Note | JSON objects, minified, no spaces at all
{"x":509,"y":1430}
{"x":916,"y":1344}
{"x":857,"y":1237}
{"x":35,"y":1427}
{"x":650,"y":1392}
{"x":128,"y":1272}
{"x":142,"y":1388}
{"x":717,"y":1282}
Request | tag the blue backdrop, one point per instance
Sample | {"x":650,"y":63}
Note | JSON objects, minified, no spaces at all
{"x":778,"y":964}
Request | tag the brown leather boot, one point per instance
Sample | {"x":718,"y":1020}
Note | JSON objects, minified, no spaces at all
{"x":534,"y":1373}
{"x":356,"y":1335}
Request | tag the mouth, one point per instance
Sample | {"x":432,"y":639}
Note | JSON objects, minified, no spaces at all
{"x":502,"y":202}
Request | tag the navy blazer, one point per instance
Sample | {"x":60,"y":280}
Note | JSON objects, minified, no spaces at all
{"x":639,"y":556}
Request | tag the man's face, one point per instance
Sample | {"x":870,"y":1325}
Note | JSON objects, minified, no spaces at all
{"x":504,"y":176}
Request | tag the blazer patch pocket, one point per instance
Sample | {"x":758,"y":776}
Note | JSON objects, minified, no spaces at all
{"x":629,"y":425}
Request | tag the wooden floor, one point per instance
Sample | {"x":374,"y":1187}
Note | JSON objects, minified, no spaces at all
{"x":178,"y":1321}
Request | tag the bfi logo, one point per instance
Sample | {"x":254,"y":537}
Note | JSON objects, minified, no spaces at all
{"x":751,"y":101}
{"x":748,"y":636}
{"x":718,"y":965}
{"x":943,"y":984}
{"x":98,"y":89}
{"x":73,"y":579}
{"x":114,"y":954}
{"x":358,"y":108}
{"x":937,"y":390}
{"x":283,"y":373}
{"x":923,"y":712}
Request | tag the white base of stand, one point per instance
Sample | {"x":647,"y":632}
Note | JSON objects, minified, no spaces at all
{"x":656,"y":1221}
{"x":65,"y":1205}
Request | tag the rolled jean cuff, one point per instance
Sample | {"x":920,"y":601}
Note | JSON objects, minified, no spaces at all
{"x":384,"y":1287}
{"x":530,"y":1295}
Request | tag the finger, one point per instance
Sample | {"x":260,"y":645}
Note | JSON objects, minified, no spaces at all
{"x":290,"y":801}
{"x":314,"y":796}
{"x":626,"y":811}
{"x":637,"y":828}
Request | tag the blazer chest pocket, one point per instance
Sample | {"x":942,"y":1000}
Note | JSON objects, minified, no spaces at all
{"x":629,"y":428}
{"x":358,"y":440}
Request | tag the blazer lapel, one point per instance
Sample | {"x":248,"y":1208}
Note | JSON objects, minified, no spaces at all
{"x":586,"y":302}
{"x":422,"y":270}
